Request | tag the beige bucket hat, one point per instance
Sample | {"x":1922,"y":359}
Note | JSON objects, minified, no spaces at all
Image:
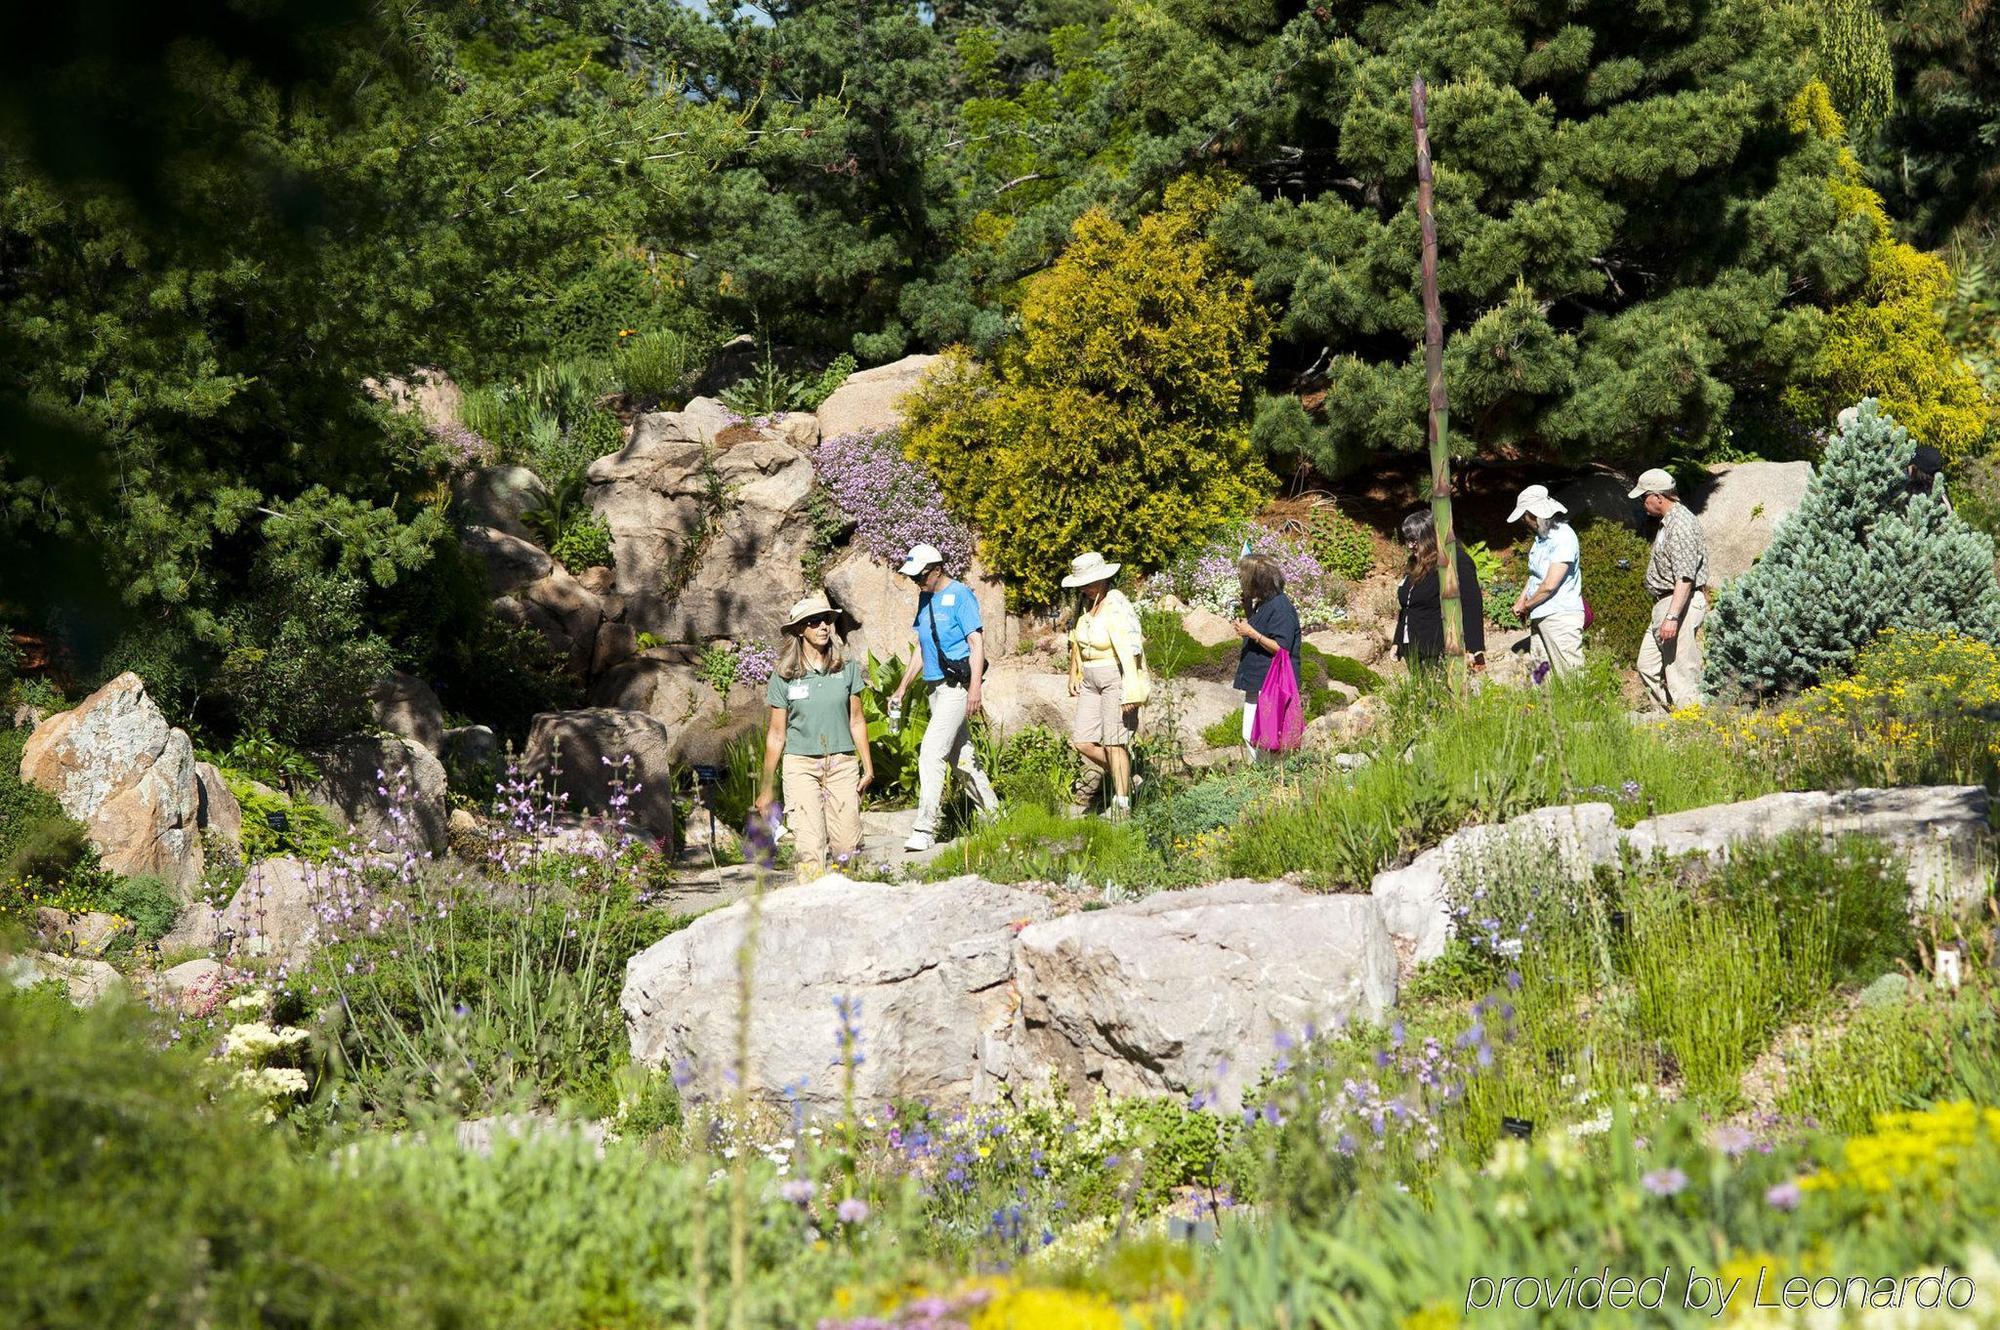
{"x":1087,"y":568}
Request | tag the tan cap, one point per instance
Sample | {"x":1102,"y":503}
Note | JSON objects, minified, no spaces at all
{"x":1652,"y":481}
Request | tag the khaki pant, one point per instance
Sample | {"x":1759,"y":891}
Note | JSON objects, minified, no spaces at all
{"x":1101,"y":717}
{"x":1558,"y":639}
{"x":1672,"y":672}
{"x":947,"y":743}
{"x":823,"y":810}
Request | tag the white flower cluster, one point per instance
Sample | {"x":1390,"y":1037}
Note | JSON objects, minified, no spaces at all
{"x":254,"y":1042}
{"x":272,"y":1084}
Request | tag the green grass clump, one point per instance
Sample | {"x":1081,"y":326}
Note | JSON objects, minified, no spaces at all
{"x":1029,"y":843}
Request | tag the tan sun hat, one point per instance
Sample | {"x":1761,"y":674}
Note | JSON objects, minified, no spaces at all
{"x":1653,"y":481}
{"x":1535,"y":499}
{"x":1087,"y":568}
{"x":811,"y":607}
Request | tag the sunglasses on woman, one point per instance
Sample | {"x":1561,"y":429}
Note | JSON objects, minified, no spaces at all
{"x":821,"y":621}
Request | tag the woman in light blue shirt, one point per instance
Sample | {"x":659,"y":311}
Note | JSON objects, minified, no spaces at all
{"x":1552,"y":600}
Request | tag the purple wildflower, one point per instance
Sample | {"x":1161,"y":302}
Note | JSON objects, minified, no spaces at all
{"x":1784,"y":1196}
{"x":1664,"y":1182}
{"x":853,"y":1210}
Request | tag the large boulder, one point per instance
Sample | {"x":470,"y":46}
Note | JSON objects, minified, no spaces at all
{"x":499,"y":498}
{"x":880,"y":602}
{"x":221,"y":817}
{"x":700,"y":724}
{"x":584,"y":750}
{"x":559,"y":608}
{"x":1208,"y":628}
{"x":1740,"y":509}
{"x":273,"y":917}
{"x":1602,"y":497}
{"x":511,"y":562}
{"x":1570,"y":840}
{"x":1940,"y":829}
{"x":405,"y":705}
{"x":1193,"y":992}
{"x":429,"y":392}
{"x":88,"y":982}
{"x":870,"y":399}
{"x":192,"y":988}
{"x":386,"y":790}
{"x":472,"y":757}
{"x":929,"y":965}
{"x":707,"y":541}
{"x":115,"y":765}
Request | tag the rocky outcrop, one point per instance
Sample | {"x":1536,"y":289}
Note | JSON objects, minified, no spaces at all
{"x":583,"y":750}
{"x":274,"y":916}
{"x":928,"y":964}
{"x":498,"y":497}
{"x":1208,"y":628}
{"x":429,"y":392}
{"x":472,"y":757}
{"x":707,"y":540}
{"x":90,"y":933}
{"x":532,"y":590}
{"x":115,"y":765}
{"x":1193,"y":992}
{"x":1601,"y":498}
{"x":193,"y":988}
{"x":221,"y":817}
{"x":1415,"y":900}
{"x":1941,"y":830}
{"x":1740,"y":509}
{"x":700,"y":724}
{"x":388,"y":791}
{"x":404,"y":705}
{"x":870,"y":400}
{"x":88,"y":982}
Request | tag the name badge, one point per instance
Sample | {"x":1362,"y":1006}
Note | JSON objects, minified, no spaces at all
{"x":799,"y":692}
{"x":948,"y":599}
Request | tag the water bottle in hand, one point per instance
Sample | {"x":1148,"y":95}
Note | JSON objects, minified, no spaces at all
{"x":895,"y":717}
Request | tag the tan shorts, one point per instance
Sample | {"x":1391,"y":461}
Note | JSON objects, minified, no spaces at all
{"x":1101,"y":717}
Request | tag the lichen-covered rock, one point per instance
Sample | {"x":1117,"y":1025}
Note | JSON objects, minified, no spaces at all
{"x":274,"y":917}
{"x":115,"y":765}
{"x":1194,"y":992}
{"x":928,"y":964}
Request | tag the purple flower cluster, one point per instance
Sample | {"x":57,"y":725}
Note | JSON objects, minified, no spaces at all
{"x":465,"y":448}
{"x":755,"y":661}
{"x":1415,"y":1084}
{"x":894,"y":502}
{"x":1206,"y":578}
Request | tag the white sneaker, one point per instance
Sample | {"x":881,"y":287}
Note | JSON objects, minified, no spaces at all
{"x":918,"y":842}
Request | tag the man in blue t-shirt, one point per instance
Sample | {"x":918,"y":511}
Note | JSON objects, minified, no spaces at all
{"x":952,"y":649}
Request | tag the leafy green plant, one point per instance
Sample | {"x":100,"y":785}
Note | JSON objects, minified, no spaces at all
{"x":1497,"y":587}
{"x":718,"y":668}
{"x":656,"y":366}
{"x":1342,"y":545}
{"x":822,"y":385}
{"x":275,"y":825}
{"x":258,"y":756}
{"x":585,"y":542}
{"x":1614,"y":560}
{"x":830,"y":526}
{"x":1035,"y":765}
{"x":895,"y":755}
{"x":1030,"y":843}
{"x":768,"y":390}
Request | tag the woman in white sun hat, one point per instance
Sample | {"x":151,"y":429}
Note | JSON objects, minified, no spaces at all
{"x":818,"y":732}
{"x":1552,"y":600}
{"x":1107,"y":674}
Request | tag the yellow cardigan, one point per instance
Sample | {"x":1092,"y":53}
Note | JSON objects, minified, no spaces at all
{"x":1111,"y":633}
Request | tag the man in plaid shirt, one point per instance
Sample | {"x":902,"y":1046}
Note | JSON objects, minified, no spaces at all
{"x":1676,"y":575}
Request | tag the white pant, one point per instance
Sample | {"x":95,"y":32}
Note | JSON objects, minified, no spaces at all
{"x":1249,"y":724}
{"x":1558,"y":639}
{"x":1671,"y":671}
{"x":948,"y":742}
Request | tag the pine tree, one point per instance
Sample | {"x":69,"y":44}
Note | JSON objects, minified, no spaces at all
{"x":1859,"y":555}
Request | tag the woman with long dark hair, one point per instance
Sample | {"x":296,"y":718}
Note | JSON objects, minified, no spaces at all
{"x":1420,"y":600}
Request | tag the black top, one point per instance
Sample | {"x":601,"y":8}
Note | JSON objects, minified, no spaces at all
{"x":1420,"y":613}
{"x":1278,"y":620}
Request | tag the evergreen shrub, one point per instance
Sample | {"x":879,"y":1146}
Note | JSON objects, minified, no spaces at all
{"x":1116,"y":421}
{"x":1614,"y":583}
{"x":1341,"y":544}
{"x":1859,"y":555}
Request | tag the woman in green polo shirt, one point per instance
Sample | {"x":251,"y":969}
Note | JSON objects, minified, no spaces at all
{"x":817,"y":729}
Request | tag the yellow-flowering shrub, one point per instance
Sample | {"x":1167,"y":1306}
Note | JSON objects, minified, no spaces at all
{"x":1116,"y":420}
{"x":1917,"y":708}
{"x":1889,"y":342}
{"x":1912,"y":1150}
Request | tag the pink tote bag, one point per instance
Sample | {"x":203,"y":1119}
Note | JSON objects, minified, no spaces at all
{"x":1280,"y":722}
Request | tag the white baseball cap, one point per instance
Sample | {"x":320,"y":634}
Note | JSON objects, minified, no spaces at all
{"x":920,"y":558}
{"x":1535,"y":499}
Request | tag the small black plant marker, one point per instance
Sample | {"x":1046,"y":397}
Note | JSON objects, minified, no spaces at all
{"x":1521,"y":1129}
{"x":278,"y":820}
{"x":1620,"y":922}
